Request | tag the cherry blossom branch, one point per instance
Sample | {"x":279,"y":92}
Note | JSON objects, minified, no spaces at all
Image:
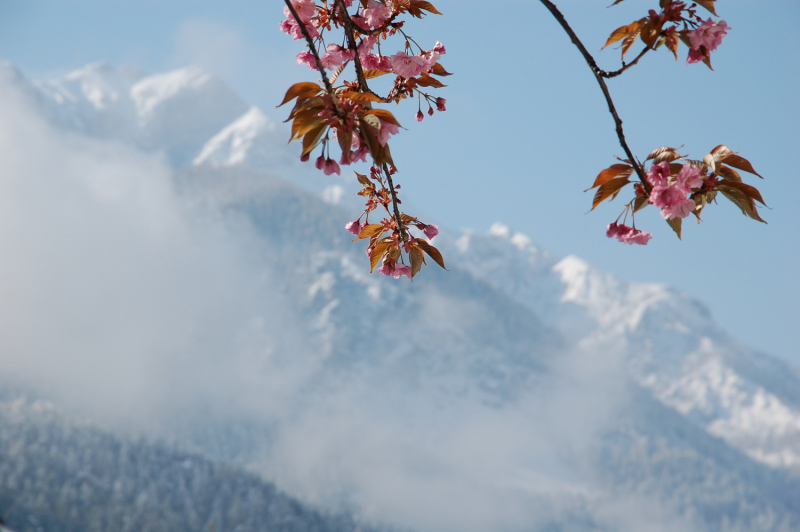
{"x":320,"y":68}
{"x":599,"y":75}
{"x":397,"y":216}
{"x":351,"y":44}
{"x":625,"y":66}
{"x":310,"y":41}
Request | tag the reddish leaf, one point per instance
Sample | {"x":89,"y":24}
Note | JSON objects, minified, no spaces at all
{"x":750,"y":191}
{"x":370,"y":74}
{"x":640,"y":203}
{"x":384,"y":115}
{"x":362,"y":96}
{"x":672,"y":45}
{"x":741,"y":199}
{"x":675,"y":168}
{"x":675,"y":224}
{"x":312,"y":138}
{"x":370,"y":230}
{"x":624,"y":31}
{"x":664,"y":153}
{"x":417,"y":259}
{"x":377,"y":254}
{"x":422,"y":4}
{"x":306,"y":102}
{"x":728,"y":173}
{"x":708,"y":4}
{"x":431,"y":251}
{"x":651,"y":31}
{"x":700,"y":203}
{"x":300,"y":88}
{"x":615,"y":170}
{"x":364,"y":180}
{"x":426,"y":81}
{"x":345,"y":142}
{"x":609,"y":189}
{"x":439,"y":70}
{"x":380,"y":153}
{"x":724,"y":154}
{"x":305,"y":122}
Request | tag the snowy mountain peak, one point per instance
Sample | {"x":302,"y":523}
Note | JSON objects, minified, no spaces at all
{"x":153,"y":91}
{"x":253,"y":139}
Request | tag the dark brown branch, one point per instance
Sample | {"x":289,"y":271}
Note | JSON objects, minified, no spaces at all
{"x":349,"y":31}
{"x":351,"y":44}
{"x":310,"y":41}
{"x":625,"y":66}
{"x":599,"y":75}
{"x":397,"y":216}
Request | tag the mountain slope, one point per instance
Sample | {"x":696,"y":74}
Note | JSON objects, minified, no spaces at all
{"x":516,"y":391}
{"x":60,"y":476}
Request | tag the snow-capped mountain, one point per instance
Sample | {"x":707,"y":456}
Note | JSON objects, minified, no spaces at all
{"x":517,"y":391}
{"x":252,"y":140}
{"x":176,"y":112}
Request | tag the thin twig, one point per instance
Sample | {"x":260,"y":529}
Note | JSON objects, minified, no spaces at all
{"x":625,"y":66}
{"x":394,"y":201}
{"x":599,"y":75}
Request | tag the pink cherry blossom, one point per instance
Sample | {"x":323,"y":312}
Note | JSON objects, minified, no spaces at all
{"x":354,"y":227}
{"x":387,"y":128}
{"x":396,"y":271}
{"x":431,"y":58}
{"x":658,"y":174}
{"x":289,"y":26}
{"x":672,"y":201}
{"x":439,"y":48}
{"x":336,"y":56}
{"x":689,"y":178}
{"x":615,"y":229}
{"x":709,"y":34}
{"x":305,"y":9}
{"x":331,"y":167}
{"x":695,"y":56}
{"x":376,"y":62}
{"x":431,"y":230}
{"x":360,"y":154}
{"x":320,"y":163}
{"x":406,"y":65}
{"x":440,"y":104}
{"x":636,"y":237}
{"x":307,"y":58}
{"x":705,"y":39}
{"x":376,"y":13}
{"x":627,"y":234}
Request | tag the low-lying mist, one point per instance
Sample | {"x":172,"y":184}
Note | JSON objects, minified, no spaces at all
{"x":124,"y":303}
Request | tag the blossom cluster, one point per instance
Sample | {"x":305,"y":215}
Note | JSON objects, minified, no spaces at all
{"x":671,"y":196}
{"x":677,"y":22}
{"x":678,"y":187}
{"x":344,"y":114}
{"x":627,"y":235}
{"x":388,"y":250}
{"x":705,"y":39}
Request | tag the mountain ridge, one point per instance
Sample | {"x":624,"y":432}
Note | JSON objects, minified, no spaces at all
{"x":688,"y":420}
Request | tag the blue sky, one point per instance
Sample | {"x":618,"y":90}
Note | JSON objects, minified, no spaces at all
{"x":526,"y":129}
